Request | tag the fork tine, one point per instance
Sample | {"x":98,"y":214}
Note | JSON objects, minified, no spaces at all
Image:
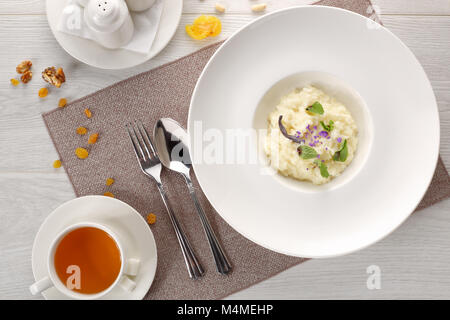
{"x":145,"y":143}
{"x":136,"y":146}
{"x":152,"y":147}
{"x":141,"y":143}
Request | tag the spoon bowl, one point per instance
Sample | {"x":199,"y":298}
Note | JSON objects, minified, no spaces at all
{"x":172,"y":142}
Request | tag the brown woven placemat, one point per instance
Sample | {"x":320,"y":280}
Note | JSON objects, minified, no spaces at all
{"x":166,"y":92}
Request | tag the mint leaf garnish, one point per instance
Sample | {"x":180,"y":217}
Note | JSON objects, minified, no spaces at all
{"x":328,"y":127}
{"x":344,"y":151}
{"x":316,"y":107}
{"x":342,"y":154}
{"x":336,"y":156}
{"x":323,"y":170}
{"x":306,"y":152}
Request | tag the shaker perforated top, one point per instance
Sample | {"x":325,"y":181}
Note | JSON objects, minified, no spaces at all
{"x":106,"y":15}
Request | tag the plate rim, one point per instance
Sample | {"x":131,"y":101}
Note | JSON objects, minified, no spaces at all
{"x":436,"y":151}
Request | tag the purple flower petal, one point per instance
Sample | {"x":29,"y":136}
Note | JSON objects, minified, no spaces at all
{"x":339,"y":139}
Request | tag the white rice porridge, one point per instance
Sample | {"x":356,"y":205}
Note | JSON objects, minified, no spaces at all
{"x":322,"y":136}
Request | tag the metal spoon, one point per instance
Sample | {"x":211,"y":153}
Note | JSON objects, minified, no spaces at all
{"x":172,"y":144}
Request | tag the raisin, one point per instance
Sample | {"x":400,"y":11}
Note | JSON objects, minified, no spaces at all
{"x":57,"y":164}
{"x":151,"y":218}
{"x":81,"y":131}
{"x":93,"y":138}
{"x":62,"y":102}
{"x":88,"y":113}
{"x":43,"y":92}
{"x":81,"y":153}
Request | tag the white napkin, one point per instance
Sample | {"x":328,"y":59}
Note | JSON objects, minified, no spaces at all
{"x":145,"y":25}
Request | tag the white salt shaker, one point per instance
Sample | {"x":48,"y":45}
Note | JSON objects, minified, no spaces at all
{"x":139,"y":5}
{"x":109,"y":21}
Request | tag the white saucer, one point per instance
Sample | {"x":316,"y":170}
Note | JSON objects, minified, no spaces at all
{"x":115,"y":214}
{"x":95,"y":55}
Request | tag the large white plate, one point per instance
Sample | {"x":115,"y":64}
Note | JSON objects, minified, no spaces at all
{"x":95,"y":55}
{"x":386,"y":90}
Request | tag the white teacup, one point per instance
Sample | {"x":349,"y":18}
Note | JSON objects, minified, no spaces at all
{"x":139,"y":5}
{"x":129,"y":267}
{"x":109,"y":21}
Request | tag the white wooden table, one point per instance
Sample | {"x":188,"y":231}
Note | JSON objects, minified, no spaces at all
{"x":414,"y":260}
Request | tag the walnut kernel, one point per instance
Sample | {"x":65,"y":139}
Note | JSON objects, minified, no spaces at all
{"x":53,"y":76}
{"x":24,"y":66}
{"x":26,"y":76}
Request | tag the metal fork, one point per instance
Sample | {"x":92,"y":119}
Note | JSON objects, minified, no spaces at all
{"x":151,"y":166}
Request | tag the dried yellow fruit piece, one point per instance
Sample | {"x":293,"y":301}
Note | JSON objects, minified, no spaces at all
{"x":62,"y":102}
{"x":109,"y":194}
{"x":81,"y":131}
{"x":109,"y":181}
{"x":88,"y":113}
{"x":203,"y":27}
{"x":151,"y":218}
{"x":43,"y":92}
{"x":24,"y":66}
{"x":93,"y":138}
{"x":57,"y":164}
{"x":15,"y":82}
{"x":81,"y":153}
{"x":197,"y":35}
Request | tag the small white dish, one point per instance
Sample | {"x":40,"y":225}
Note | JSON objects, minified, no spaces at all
{"x":95,"y":55}
{"x":353,"y":59}
{"x":110,"y":212}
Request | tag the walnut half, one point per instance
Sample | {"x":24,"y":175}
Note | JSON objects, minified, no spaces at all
{"x":26,"y":76}
{"x":24,"y":66}
{"x":53,"y":76}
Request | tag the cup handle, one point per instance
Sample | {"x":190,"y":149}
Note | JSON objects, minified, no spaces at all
{"x":40,"y":286}
{"x":132,"y":266}
{"x":83,"y":3}
{"x":127,"y":284}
